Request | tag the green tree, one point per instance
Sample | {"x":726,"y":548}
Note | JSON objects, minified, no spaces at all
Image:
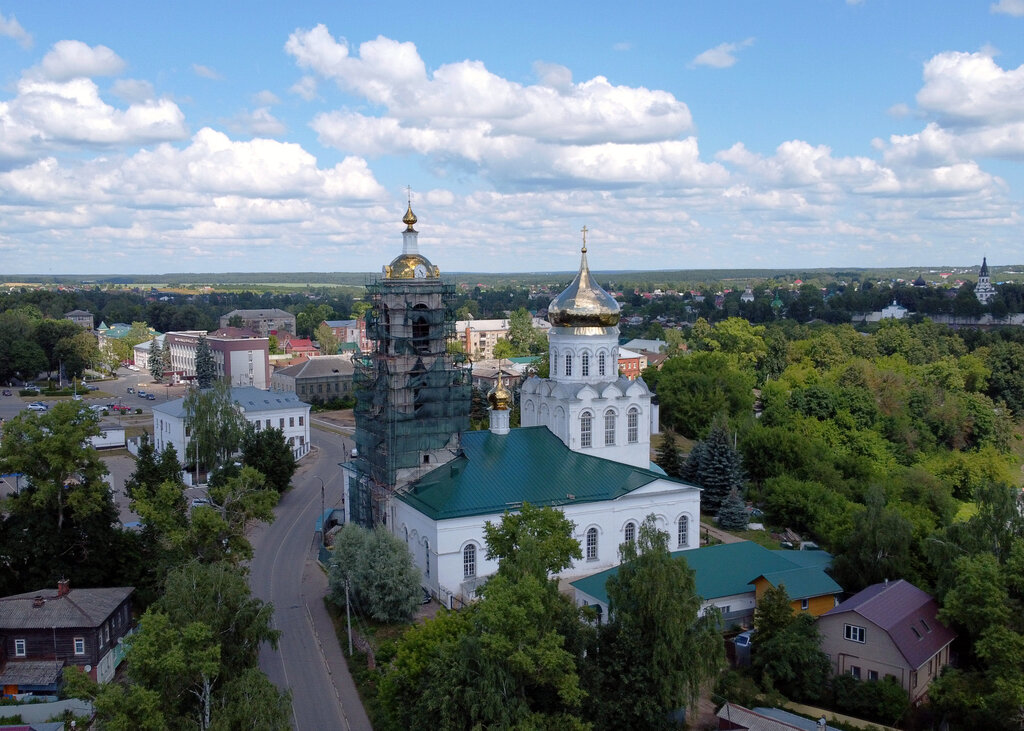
{"x":20,"y":356}
{"x":215,"y":424}
{"x":787,"y":651}
{"x":77,"y":353}
{"x":536,"y":541}
{"x":881,"y":547}
{"x":695,"y":389}
{"x":377,"y":568}
{"x":521,"y":332}
{"x":717,"y":468}
{"x":50,"y":332}
{"x":165,"y":357}
{"x":267,"y":451}
{"x":655,"y":653}
{"x":326,"y":338}
{"x":667,"y":456}
{"x":206,"y":369}
{"x":503,"y":349}
{"x":733,"y":513}
{"x":156,"y":365}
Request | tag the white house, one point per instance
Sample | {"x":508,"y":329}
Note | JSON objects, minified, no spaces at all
{"x":263,"y":409}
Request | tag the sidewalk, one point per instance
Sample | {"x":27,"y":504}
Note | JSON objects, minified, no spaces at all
{"x":314,"y":589}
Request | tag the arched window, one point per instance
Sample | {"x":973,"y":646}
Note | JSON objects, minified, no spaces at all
{"x":585,"y":364}
{"x":633,"y":425}
{"x":600,"y":364}
{"x":586,"y":429}
{"x":609,"y":428}
{"x":420,"y":330}
{"x":469,"y":561}
{"x":405,"y":530}
{"x":683,"y":532}
{"x":426,"y":556}
{"x":568,"y":364}
{"x":592,"y":544}
{"x":630,"y":532}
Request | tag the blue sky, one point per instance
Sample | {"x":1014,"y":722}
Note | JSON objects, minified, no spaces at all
{"x":281,"y":136}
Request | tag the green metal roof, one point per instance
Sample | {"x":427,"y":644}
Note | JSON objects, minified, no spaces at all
{"x":530,"y":464}
{"x":729,"y":568}
{"x":804,"y":582}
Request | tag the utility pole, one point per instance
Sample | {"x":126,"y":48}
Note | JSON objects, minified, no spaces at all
{"x":348,"y":618}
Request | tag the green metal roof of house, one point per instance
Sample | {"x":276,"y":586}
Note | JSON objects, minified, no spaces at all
{"x":730,"y":568}
{"x":804,"y":582}
{"x":530,"y":464}
{"x":524,"y":359}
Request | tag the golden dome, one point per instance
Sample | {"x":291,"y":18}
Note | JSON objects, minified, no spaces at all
{"x":584,"y":303}
{"x":499,"y":397}
{"x":409,"y":219}
{"x":411,"y":266}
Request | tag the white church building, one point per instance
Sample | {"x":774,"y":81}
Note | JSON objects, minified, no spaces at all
{"x":584,"y":447}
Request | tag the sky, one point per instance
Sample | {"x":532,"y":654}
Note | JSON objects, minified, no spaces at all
{"x":150,"y":138}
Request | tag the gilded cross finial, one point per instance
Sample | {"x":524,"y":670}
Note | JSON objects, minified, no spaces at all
{"x":408,"y":193}
{"x":584,"y":229}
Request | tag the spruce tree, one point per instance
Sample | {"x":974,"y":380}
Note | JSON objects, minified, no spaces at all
{"x":719,"y":469}
{"x":206,"y":370}
{"x":156,"y":368}
{"x":165,"y":357}
{"x":733,"y":513}
{"x":668,"y":456}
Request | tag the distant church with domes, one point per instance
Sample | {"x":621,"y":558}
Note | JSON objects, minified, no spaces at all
{"x":584,"y":445}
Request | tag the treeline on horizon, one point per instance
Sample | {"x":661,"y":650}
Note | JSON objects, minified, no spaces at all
{"x":671,"y":278}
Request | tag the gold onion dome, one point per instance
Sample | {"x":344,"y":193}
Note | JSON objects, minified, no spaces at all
{"x":499,"y":397}
{"x":409,"y":219}
{"x":584,"y":303}
{"x":410,"y":264}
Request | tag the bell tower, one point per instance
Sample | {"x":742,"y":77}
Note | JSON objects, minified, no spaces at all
{"x":412,"y":398}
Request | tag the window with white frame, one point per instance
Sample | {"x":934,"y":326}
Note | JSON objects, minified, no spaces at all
{"x":79,"y":645}
{"x":633,"y":425}
{"x":630,"y":532}
{"x":853,"y":633}
{"x":609,"y":428}
{"x":19,"y":648}
{"x":586,"y":429}
{"x":683,"y":532}
{"x":855,"y":671}
{"x":600,"y":365}
{"x":568,"y":364}
{"x":592,"y":544}
{"x":291,"y":421}
{"x":585,"y":364}
{"x":469,"y":561}
{"x":804,"y":604}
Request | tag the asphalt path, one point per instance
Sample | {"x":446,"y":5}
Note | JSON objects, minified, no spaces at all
{"x":308,"y":660}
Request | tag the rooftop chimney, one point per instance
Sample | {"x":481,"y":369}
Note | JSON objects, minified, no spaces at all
{"x":63,"y":587}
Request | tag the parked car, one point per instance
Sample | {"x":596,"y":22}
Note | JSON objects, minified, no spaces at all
{"x":7,"y":392}
{"x":33,"y":389}
{"x":197,"y":501}
{"x":38,"y":406}
{"x":131,"y":390}
{"x":151,"y":396}
{"x":98,"y":409}
{"x":90,"y":387}
{"x":120,"y":407}
{"x":141,"y":394}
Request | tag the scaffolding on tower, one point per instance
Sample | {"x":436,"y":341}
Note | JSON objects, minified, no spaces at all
{"x":412,"y":395}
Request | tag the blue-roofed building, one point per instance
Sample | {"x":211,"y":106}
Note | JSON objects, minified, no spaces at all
{"x":263,"y":409}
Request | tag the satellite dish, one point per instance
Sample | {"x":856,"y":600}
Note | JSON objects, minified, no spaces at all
{"x":88,"y":668}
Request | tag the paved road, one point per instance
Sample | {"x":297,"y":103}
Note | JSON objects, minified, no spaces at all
{"x":308,"y":660}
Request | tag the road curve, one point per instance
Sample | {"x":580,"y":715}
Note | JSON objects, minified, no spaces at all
{"x":308,"y":660}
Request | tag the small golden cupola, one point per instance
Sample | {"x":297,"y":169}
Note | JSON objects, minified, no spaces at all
{"x":499,"y":397}
{"x":410,"y":264}
{"x":584,"y":303}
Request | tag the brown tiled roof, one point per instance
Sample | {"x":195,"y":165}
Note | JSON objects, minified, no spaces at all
{"x":77,"y":608}
{"x":907,"y":614}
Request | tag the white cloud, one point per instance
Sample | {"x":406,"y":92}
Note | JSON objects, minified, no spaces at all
{"x":133,"y":90}
{"x":622,"y":46}
{"x":721,"y":56}
{"x":206,"y":72}
{"x":1008,"y":7}
{"x":11,"y":28}
{"x":305,"y":88}
{"x":970,"y":88}
{"x":266,"y":98}
{"x":258,"y":122}
{"x":74,"y":60}
{"x":47,"y":115}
